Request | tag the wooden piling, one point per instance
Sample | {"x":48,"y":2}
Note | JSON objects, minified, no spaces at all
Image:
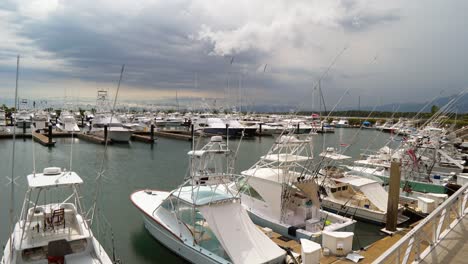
{"x":24,"y":130}
{"x":152,"y":134}
{"x":50,"y":134}
{"x":105,"y":133}
{"x":393,"y":196}
{"x":260,"y":129}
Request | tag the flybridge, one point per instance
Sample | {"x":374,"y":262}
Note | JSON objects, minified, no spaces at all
{"x":53,"y":177}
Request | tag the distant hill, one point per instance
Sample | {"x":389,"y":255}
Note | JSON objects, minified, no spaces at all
{"x":461,"y":106}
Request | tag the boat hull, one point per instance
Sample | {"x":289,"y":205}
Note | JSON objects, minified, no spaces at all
{"x":174,"y":243}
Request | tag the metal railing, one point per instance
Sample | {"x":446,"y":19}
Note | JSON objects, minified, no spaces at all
{"x":425,"y":236}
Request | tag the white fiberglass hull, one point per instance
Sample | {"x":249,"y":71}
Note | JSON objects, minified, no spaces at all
{"x":147,"y":204}
{"x":367,"y":215}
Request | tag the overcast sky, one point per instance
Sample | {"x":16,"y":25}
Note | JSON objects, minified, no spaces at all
{"x":383,"y":51}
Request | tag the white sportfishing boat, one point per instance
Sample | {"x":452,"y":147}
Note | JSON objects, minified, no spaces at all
{"x":22,"y":118}
{"x":67,"y":122}
{"x":57,"y":232}
{"x":40,"y":120}
{"x":342,"y":123}
{"x":115,"y":129}
{"x":202,"y":221}
{"x":354,"y":196}
{"x":279,"y":192}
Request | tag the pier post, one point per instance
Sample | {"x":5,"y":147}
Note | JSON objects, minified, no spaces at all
{"x":260,"y":129}
{"x":393,"y":196}
{"x":227,"y":130}
{"x":90,"y":125}
{"x":50,"y":134}
{"x":152,"y":134}
{"x":82,"y":121}
{"x":298,"y":126}
{"x":192,"y":134}
{"x":24,"y":130}
{"x":105,"y":133}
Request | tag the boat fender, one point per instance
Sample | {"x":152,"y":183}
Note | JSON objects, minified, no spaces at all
{"x":292,"y":231}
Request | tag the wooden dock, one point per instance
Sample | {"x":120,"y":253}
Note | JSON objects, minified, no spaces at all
{"x":143,"y":138}
{"x":174,"y":134}
{"x":93,"y":138}
{"x":43,"y":139}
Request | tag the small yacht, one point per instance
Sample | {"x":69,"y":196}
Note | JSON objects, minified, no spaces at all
{"x":203,"y":221}
{"x":40,"y":120}
{"x":67,"y":122}
{"x":56,"y":232}
{"x":272,"y":128}
{"x":354,"y":196}
{"x":343,"y":123}
{"x":117,"y":132}
{"x":22,"y":117}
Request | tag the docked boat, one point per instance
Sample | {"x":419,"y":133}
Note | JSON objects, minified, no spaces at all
{"x":40,"y":120}
{"x":117,"y":132}
{"x":342,"y":123}
{"x":361,"y":198}
{"x":57,"y":232}
{"x":22,"y":118}
{"x":203,"y":221}
{"x":280,"y":192}
{"x":67,"y":122}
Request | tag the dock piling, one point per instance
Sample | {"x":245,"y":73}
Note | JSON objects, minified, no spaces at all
{"x":393,"y":196}
{"x":105,"y":133}
{"x":49,"y":132}
{"x":152,"y":134}
{"x":260,"y":129}
{"x":24,"y":130}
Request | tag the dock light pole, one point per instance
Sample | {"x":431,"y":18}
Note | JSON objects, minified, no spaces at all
{"x":393,"y":196}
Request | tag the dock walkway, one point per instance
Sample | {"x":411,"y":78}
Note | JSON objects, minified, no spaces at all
{"x":453,"y":248}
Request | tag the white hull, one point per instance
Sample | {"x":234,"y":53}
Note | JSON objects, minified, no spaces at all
{"x":175,"y":244}
{"x":147,"y":204}
{"x":356,"y":212}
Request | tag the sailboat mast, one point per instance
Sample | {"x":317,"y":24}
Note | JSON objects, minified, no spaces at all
{"x":12,"y":190}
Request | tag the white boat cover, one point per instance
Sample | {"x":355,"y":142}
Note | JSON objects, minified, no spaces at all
{"x":372,"y":189}
{"x":243,"y":241}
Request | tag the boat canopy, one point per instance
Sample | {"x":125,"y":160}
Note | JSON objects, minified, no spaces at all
{"x":372,"y":189}
{"x":60,"y":178}
{"x":202,"y":195}
{"x":241,"y":239}
{"x":285,"y":157}
{"x":272,"y":174}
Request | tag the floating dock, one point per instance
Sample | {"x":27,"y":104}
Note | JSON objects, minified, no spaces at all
{"x":43,"y":139}
{"x":143,"y":138}
{"x":93,"y":138}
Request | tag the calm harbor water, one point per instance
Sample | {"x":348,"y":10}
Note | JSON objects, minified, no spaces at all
{"x":129,"y":167}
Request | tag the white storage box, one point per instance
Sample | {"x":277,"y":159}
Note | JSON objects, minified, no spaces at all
{"x":339,"y":243}
{"x":426,"y":205}
{"x":310,"y":252}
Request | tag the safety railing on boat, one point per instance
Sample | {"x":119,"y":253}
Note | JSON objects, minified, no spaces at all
{"x":419,"y":241}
